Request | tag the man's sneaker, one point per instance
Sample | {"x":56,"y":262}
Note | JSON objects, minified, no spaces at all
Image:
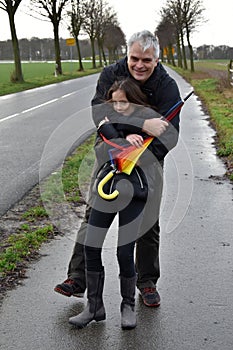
{"x":150,"y":296}
{"x":69,"y":288}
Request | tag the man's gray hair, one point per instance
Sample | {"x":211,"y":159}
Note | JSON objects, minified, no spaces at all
{"x":146,"y":39}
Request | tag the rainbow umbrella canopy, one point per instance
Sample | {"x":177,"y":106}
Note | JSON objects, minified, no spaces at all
{"x":124,"y":158}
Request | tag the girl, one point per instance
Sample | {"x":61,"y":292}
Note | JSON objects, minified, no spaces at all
{"x":125,"y":98}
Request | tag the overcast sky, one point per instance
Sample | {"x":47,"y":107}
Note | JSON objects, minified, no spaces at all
{"x":133,"y":16}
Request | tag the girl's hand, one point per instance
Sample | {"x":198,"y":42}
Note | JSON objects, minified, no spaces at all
{"x":135,"y":140}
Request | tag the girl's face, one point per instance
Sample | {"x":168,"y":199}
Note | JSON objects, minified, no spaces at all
{"x":121,"y":103}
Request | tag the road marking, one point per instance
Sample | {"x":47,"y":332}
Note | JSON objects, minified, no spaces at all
{"x":9,"y":117}
{"x":28,"y":110}
{"x":40,"y":105}
{"x":70,"y":94}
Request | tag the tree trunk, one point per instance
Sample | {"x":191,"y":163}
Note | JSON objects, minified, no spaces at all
{"x":191,"y":58}
{"x":183,"y":51}
{"x":179,"y":56}
{"x":81,"y":69}
{"x":93,"y":53}
{"x":161,"y":54}
{"x":110,"y":55}
{"x":100,"y":53}
{"x":116,"y":56}
{"x":170,"y":54}
{"x":190,"y":51}
{"x":57,"y":49}
{"x":104,"y":56}
{"x":18,"y":74}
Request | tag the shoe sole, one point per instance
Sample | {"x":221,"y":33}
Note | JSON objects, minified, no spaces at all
{"x":60,"y":291}
{"x":128,"y":327}
{"x":81,"y":326}
{"x":67,"y":294}
{"x":150,"y":305}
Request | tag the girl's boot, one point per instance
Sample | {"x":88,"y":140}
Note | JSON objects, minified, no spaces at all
{"x":95,"y":308}
{"x":128,"y":314}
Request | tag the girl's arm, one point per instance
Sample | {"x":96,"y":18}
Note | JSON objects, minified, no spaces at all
{"x":107,"y":129}
{"x":135,"y":140}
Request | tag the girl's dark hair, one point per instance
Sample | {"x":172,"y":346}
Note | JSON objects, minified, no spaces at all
{"x":131,"y":89}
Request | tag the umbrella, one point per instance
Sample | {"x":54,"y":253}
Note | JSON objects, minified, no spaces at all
{"x":124,"y":158}
{"x":171,"y":113}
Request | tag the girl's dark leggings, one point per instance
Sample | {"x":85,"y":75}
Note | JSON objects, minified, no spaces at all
{"x":129,"y":223}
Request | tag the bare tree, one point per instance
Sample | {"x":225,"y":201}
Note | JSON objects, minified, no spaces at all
{"x":192,"y":16}
{"x":167,"y":39}
{"x":186,"y":15}
{"x":93,"y":18}
{"x":11,"y":6}
{"x":91,"y":13}
{"x":107,"y":18}
{"x":114,"y":39}
{"x":172,"y":11}
{"x":77,"y":18}
{"x":52,"y":9}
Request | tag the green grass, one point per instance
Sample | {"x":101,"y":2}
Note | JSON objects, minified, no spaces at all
{"x":211,"y":64}
{"x":221,"y":112}
{"x":35,"y":213}
{"x":216,"y":93}
{"x":40,"y":74}
{"x":70,"y":176}
{"x":21,"y":245}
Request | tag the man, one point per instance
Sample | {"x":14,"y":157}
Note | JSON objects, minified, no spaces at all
{"x":141,"y":64}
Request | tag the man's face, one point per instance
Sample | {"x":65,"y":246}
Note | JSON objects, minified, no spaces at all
{"x":141,"y":64}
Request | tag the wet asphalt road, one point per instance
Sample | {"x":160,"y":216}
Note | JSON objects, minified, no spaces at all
{"x":196,"y":267}
{"x":38,"y":128}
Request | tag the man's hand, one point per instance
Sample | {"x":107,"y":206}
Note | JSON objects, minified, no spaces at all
{"x":154,"y":127}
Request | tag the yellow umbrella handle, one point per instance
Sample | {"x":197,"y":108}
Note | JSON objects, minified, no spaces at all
{"x":112,"y":195}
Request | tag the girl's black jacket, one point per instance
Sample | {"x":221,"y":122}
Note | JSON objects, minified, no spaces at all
{"x":145,"y":171}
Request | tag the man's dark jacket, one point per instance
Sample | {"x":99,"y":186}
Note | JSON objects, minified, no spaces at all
{"x":162,"y":93}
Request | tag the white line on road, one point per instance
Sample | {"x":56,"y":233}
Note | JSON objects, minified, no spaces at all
{"x":9,"y":117}
{"x":28,"y":110}
{"x":41,"y":105}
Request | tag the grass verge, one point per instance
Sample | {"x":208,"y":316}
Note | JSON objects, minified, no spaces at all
{"x":211,"y":84}
{"x":40,"y":74}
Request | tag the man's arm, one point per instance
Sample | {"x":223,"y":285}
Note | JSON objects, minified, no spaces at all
{"x":155,"y":127}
